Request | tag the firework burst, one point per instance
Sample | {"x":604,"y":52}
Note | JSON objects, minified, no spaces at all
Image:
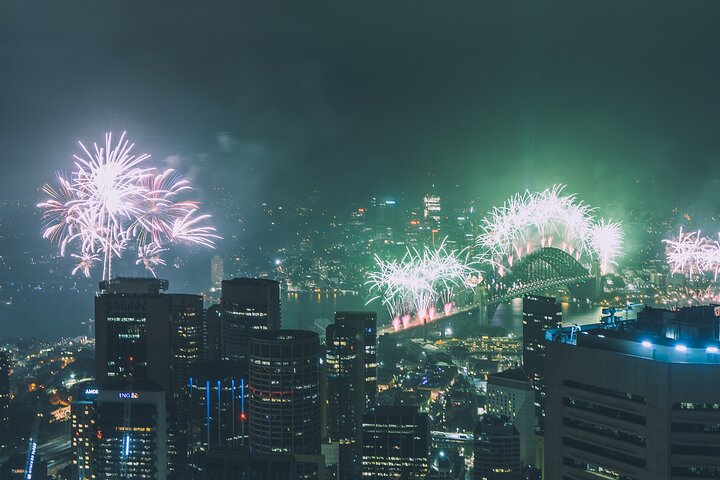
{"x":111,"y":201}
{"x":691,"y":254}
{"x":417,"y":283}
{"x":549,"y":218}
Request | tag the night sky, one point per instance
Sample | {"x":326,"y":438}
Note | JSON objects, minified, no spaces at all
{"x":276,"y":98}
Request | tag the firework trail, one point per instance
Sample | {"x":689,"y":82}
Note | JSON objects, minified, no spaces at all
{"x":550,"y":218}
{"x":111,"y":201}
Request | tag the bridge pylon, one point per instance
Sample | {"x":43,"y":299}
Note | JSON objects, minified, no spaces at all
{"x":481,"y":300}
{"x":597,"y":279}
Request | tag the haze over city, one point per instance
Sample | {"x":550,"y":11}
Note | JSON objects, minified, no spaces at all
{"x":475,"y":196}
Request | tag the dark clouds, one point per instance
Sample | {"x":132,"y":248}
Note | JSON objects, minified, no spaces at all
{"x":373,"y":96}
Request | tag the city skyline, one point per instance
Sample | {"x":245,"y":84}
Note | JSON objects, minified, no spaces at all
{"x":359,"y":241}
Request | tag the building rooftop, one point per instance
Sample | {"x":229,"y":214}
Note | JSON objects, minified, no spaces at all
{"x":513,"y":374}
{"x":134,"y":285}
{"x":687,"y":335}
{"x":251,"y":282}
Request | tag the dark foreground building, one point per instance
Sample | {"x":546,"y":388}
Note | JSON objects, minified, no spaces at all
{"x":539,"y":314}
{"x":637,"y":400}
{"x":351,"y":366}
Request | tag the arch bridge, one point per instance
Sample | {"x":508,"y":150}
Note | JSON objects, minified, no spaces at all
{"x":540,"y":270}
{"x":543,"y":269}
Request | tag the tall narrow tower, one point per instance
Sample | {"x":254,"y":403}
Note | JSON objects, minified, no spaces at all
{"x":285,"y":395}
{"x":351,"y":364}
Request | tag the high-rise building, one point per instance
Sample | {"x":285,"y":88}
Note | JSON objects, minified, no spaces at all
{"x":142,"y":333}
{"x":431,"y":208}
{"x":186,"y":313}
{"x":351,"y":366}
{"x":83,"y":434}
{"x":396,"y":443}
{"x":216,"y":271}
{"x":248,"y":306}
{"x":539,"y":315}
{"x":145,"y":334}
{"x":4,"y":399}
{"x":635,"y":400}
{"x":510,"y":394}
{"x":133,"y":331}
{"x":131,"y":432}
{"x":218,"y":416}
{"x":187,"y":345}
{"x":285,"y":395}
{"x":497,"y":449}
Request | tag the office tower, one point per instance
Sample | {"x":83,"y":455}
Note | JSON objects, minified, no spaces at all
{"x":396,"y":443}
{"x":248,"y":306}
{"x":510,"y":394}
{"x":539,"y":314}
{"x":145,"y":334}
{"x":133,"y":331}
{"x":20,"y":467}
{"x":4,"y":399}
{"x":131,"y":432}
{"x":216,"y":271}
{"x":186,"y":313}
{"x":217,"y":399}
{"x":83,"y":434}
{"x":351,"y":365}
{"x":284,"y":395}
{"x":640,"y":400}
{"x":497,"y":449}
{"x":187,"y":345}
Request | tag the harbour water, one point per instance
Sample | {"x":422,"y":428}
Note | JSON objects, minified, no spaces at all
{"x":302,"y":310}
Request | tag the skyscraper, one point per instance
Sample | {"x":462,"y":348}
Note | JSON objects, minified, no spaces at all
{"x":639,"y":400}
{"x":284,"y":395}
{"x":351,"y":365}
{"x":510,"y":394}
{"x":83,"y":434}
{"x":186,"y":313}
{"x":131,"y":432}
{"x":187,"y":325}
{"x":497,"y":449}
{"x":145,"y":334}
{"x":133,"y":331}
{"x":396,"y":443}
{"x":539,"y":314}
{"x":248,"y":306}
